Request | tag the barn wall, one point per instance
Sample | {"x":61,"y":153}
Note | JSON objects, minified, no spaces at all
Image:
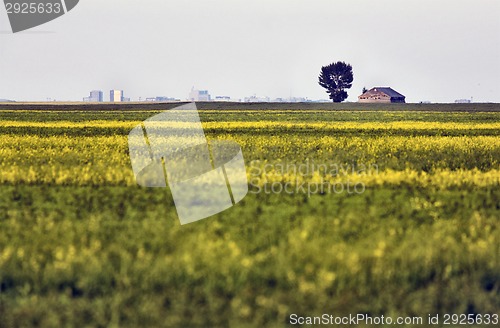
{"x":384,"y":101}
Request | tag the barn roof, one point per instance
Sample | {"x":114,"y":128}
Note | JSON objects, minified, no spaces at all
{"x":388,"y":91}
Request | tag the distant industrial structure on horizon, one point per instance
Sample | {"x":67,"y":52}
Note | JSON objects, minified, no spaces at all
{"x":117,"y":96}
{"x":195,"y":95}
{"x":463,"y":101}
{"x":199,"y":95}
{"x":161,"y":99}
{"x":98,"y":96}
{"x":95,"y":96}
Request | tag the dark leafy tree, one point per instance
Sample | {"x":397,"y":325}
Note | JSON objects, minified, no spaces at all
{"x":335,"y":78}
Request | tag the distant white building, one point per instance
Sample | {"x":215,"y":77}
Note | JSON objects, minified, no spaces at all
{"x":291,"y":100}
{"x":254,"y":98}
{"x":199,"y":95}
{"x":462,"y":101}
{"x":95,"y":96}
{"x":117,"y":96}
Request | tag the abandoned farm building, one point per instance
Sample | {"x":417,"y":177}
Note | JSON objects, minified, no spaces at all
{"x":381,"y":95}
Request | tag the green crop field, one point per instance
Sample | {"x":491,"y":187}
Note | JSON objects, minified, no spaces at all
{"x":377,"y":212}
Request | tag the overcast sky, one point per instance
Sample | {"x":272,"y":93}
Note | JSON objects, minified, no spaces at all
{"x":426,"y":49}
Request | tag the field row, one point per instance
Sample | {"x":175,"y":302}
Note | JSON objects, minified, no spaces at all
{"x":268,"y":125}
{"x":105,"y":160}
